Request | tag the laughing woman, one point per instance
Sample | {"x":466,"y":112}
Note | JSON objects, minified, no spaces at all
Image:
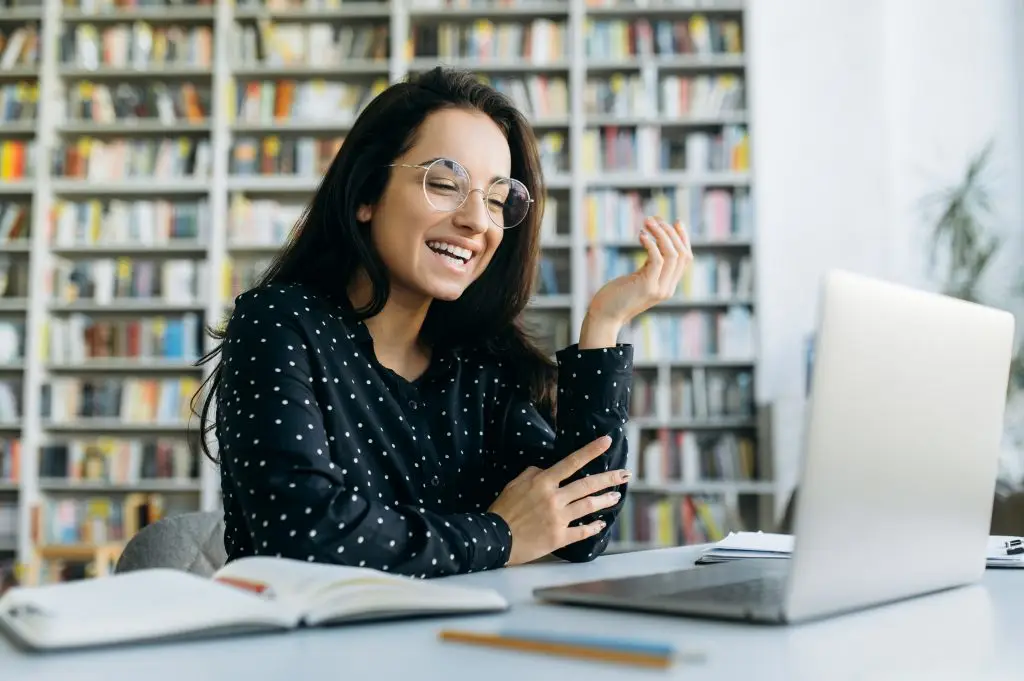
{"x":377,"y":401}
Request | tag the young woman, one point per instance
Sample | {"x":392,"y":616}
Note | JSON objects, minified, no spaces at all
{"x":377,"y":401}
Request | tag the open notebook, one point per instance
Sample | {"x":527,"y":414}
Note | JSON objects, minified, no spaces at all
{"x":247,"y":595}
{"x":738,"y":545}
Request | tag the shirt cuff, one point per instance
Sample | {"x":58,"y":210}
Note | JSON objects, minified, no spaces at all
{"x":488,"y":540}
{"x":598,"y":377}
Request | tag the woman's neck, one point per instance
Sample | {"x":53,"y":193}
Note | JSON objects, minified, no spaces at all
{"x":396,"y":328}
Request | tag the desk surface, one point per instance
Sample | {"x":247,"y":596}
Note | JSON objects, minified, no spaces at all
{"x":966,"y":634}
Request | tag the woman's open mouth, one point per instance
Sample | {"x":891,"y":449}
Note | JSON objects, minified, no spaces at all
{"x":453,"y":256}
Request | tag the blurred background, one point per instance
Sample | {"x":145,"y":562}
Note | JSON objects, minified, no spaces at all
{"x":155,"y":153}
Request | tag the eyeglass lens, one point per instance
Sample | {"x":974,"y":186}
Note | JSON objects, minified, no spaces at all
{"x":447,"y":184}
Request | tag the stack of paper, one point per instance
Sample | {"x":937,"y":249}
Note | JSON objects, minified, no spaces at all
{"x":739,"y":545}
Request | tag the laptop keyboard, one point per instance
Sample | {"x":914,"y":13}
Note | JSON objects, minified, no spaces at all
{"x":761,"y":590}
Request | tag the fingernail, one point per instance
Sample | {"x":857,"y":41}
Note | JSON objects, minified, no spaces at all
{"x":600,"y":524}
{"x":625,"y":475}
{"x":614,"y":496}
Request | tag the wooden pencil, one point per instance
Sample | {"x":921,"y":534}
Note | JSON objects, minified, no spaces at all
{"x":584,"y":652}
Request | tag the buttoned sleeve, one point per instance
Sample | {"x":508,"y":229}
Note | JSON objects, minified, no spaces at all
{"x":295,"y":501}
{"x":594,"y":387}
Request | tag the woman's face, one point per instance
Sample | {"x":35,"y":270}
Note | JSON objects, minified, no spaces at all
{"x":430,"y":251}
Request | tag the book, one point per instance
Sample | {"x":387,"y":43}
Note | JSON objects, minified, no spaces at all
{"x":740,"y":545}
{"x":248,"y":595}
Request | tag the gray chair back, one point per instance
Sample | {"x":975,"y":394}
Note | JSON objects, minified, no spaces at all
{"x":192,"y":542}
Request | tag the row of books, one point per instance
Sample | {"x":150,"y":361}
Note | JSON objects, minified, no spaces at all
{"x":98,"y":159}
{"x":15,"y":221}
{"x":264,"y":102}
{"x":677,"y":455}
{"x":19,"y":102}
{"x":14,"y":279}
{"x":710,"y":276}
{"x":112,"y":6}
{"x":17,"y":159}
{"x":652,"y":149}
{"x":68,"y":399}
{"x":79,"y":338}
{"x":282,"y":156}
{"x":702,"y":393}
{"x":140,"y":222}
{"x":135,"y":45}
{"x":537,"y":41}
{"x":697,"y":34}
{"x":95,"y":519}
{"x":315,"y":44}
{"x":12,"y":340}
{"x":673,"y":521}
{"x":19,"y":46}
{"x":10,"y":459}
{"x":713,"y":214}
{"x":537,"y":96}
{"x":168,"y":103}
{"x":105,"y":280}
{"x":667,"y":95}
{"x":693,"y":335}
{"x":8,"y":524}
{"x":10,"y":400}
{"x":115,"y":460}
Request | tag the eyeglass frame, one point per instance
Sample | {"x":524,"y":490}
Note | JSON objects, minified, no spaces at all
{"x":423,"y":185}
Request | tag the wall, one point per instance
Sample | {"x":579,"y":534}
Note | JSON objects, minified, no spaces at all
{"x":860,"y":108}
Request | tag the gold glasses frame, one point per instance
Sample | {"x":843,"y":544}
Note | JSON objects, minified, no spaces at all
{"x":425,"y":167}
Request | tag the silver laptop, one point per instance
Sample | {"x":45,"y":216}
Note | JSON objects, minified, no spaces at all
{"x":898,"y":475}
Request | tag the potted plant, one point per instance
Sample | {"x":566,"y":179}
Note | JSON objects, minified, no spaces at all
{"x":962,"y":248}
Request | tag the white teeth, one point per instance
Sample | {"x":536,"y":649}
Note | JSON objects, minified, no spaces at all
{"x":459,"y":252}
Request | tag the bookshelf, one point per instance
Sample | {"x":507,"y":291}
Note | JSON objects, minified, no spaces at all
{"x":178,"y":143}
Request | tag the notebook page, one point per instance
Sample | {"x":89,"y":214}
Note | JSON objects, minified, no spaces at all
{"x":140,"y":605}
{"x":300,"y":581}
{"x":759,"y":542}
{"x":997,"y":555}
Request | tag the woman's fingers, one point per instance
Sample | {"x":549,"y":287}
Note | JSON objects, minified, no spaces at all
{"x":670,"y":278}
{"x":588,"y":505}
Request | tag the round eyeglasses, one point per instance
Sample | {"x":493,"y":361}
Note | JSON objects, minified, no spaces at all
{"x":446,"y":185}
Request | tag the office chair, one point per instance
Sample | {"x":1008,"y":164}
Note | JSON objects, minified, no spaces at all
{"x":192,"y":542}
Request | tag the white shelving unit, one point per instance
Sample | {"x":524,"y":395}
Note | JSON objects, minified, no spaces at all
{"x":574,"y":243}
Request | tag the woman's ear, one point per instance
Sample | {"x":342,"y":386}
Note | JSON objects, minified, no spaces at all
{"x":364,"y":213}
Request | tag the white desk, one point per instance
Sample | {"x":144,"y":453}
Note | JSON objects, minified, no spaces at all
{"x":967,"y":634}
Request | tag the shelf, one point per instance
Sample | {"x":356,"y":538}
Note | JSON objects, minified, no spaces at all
{"x":164,"y":15}
{"x":133,"y":127}
{"x":349,"y":67}
{"x":422,"y":64}
{"x":124,"y":364}
{"x":362,"y":10}
{"x":169,"y":249}
{"x":137,"y":187}
{"x":13,"y":187}
{"x":155,"y":72}
{"x":94,"y":486}
{"x":569,"y":180}
{"x":125,"y":305}
{"x":112,"y":425}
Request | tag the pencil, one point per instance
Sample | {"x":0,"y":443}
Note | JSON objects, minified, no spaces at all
{"x":561,"y":648}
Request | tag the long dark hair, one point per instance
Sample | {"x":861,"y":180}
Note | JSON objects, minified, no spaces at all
{"x":329,"y":246}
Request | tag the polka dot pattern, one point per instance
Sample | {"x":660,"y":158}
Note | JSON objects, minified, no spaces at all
{"x":328,"y":456}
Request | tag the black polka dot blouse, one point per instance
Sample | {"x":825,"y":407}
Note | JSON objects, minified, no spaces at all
{"x":327,"y":455}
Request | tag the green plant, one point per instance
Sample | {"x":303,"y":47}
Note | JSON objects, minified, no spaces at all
{"x":961,"y":235}
{"x":960,"y":231}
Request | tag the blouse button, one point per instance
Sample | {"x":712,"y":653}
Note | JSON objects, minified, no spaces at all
{"x":412,"y":404}
{"x":434,"y":481}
